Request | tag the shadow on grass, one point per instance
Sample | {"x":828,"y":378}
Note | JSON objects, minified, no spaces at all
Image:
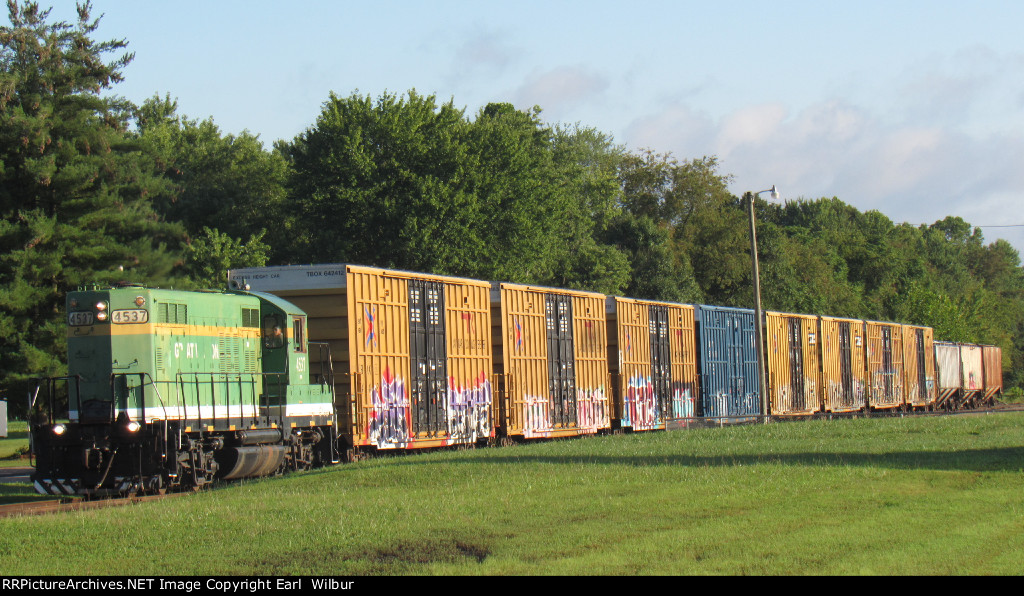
{"x":1005,"y":459}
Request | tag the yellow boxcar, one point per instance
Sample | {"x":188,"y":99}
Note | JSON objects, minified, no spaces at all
{"x":411,"y":352}
{"x":794,"y":367}
{"x":550,"y":348}
{"x":653,"y":362}
{"x":919,"y":365}
{"x":885,"y":364}
{"x":844,"y":371}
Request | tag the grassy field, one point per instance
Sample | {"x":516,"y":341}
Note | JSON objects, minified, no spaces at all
{"x":16,"y":443}
{"x":937,"y":495}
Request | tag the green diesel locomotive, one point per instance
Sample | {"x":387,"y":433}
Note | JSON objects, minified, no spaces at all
{"x":170,"y":389}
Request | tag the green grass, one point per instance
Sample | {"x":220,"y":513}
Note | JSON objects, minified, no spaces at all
{"x":11,"y":449}
{"x":1013,"y":395}
{"x":937,"y":495}
{"x":14,"y":445}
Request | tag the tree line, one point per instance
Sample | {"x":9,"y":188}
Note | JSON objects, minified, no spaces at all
{"x":96,"y":190}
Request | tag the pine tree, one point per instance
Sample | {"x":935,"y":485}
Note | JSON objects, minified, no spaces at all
{"x":75,"y":189}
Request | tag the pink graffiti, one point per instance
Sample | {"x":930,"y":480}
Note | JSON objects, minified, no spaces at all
{"x":536,"y":417}
{"x":592,"y":413}
{"x":640,"y":409}
{"x":592,"y":409}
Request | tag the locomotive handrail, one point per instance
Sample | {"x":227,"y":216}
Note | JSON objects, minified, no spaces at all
{"x":142,"y":399}
{"x":50,"y":382}
{"x":32,"y":397}
{"x":217,"y":379}
{"x":324,"y":348}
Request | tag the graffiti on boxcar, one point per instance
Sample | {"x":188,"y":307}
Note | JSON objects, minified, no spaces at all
{"x":724,"y":404}
{"x":536,"y":417}
{"x":371,"y":331}
{"x":683,"y":403}
{"x":718,"y":405}
{"x":839,"y":399}
{"x":887,"y":388}
{"x":750,"y":405}
{"x":592,"y":409}
{"x":913,"y":393}
{"x":592,"y":413}
{"x":782,"y":399}
{"x":640,"y":411}
{"x":390,"y":417}
{"x":811,"y":386}
{"x":470,"y":327}
{"x":591,"y":345}
{"x":469,"y":410}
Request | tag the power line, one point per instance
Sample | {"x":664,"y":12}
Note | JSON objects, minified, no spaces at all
{"x":973,"y":225}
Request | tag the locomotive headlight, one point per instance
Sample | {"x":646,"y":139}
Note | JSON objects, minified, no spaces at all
{"x":59,"y":429}
{"x":101,"y":305}
{"x":140,"y":301}
{"x":126,"y":427}
{"x":101,"y":316}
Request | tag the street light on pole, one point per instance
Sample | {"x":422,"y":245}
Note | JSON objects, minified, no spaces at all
{"x":758,"y":314}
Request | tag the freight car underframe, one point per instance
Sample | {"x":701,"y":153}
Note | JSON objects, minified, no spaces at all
{"x":955,"y":399}
{"x":104,"y":452}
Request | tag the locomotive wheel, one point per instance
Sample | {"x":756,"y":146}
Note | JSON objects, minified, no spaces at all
{"x":199,"y":468}
{"x":155,"y":486}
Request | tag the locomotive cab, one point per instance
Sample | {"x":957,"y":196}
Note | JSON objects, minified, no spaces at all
{"x":284,"y":347}
{"x":296,"y":369}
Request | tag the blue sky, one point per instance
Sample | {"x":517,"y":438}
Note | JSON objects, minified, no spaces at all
{"x":914,"y":108}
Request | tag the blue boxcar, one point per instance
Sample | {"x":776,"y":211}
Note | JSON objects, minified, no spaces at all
{"x":728,"y":362}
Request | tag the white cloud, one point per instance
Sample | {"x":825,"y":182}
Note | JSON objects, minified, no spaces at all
{"x":677,"y":128}
{"x":908,"y":171}
{"x":750,"y":127}
{"x":559,"y":89}
{"x":485,"y":54}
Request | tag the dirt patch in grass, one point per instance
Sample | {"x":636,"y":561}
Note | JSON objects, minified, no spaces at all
{"x":403,"y":557}
{"x":417,"y":553}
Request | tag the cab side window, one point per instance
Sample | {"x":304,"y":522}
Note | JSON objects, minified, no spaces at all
{"x":273,"y":333}
{"x":298,"y":333}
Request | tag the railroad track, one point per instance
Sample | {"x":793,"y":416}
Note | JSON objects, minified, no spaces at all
{"x":1008,"y":408}
{"x":64,"y":505}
